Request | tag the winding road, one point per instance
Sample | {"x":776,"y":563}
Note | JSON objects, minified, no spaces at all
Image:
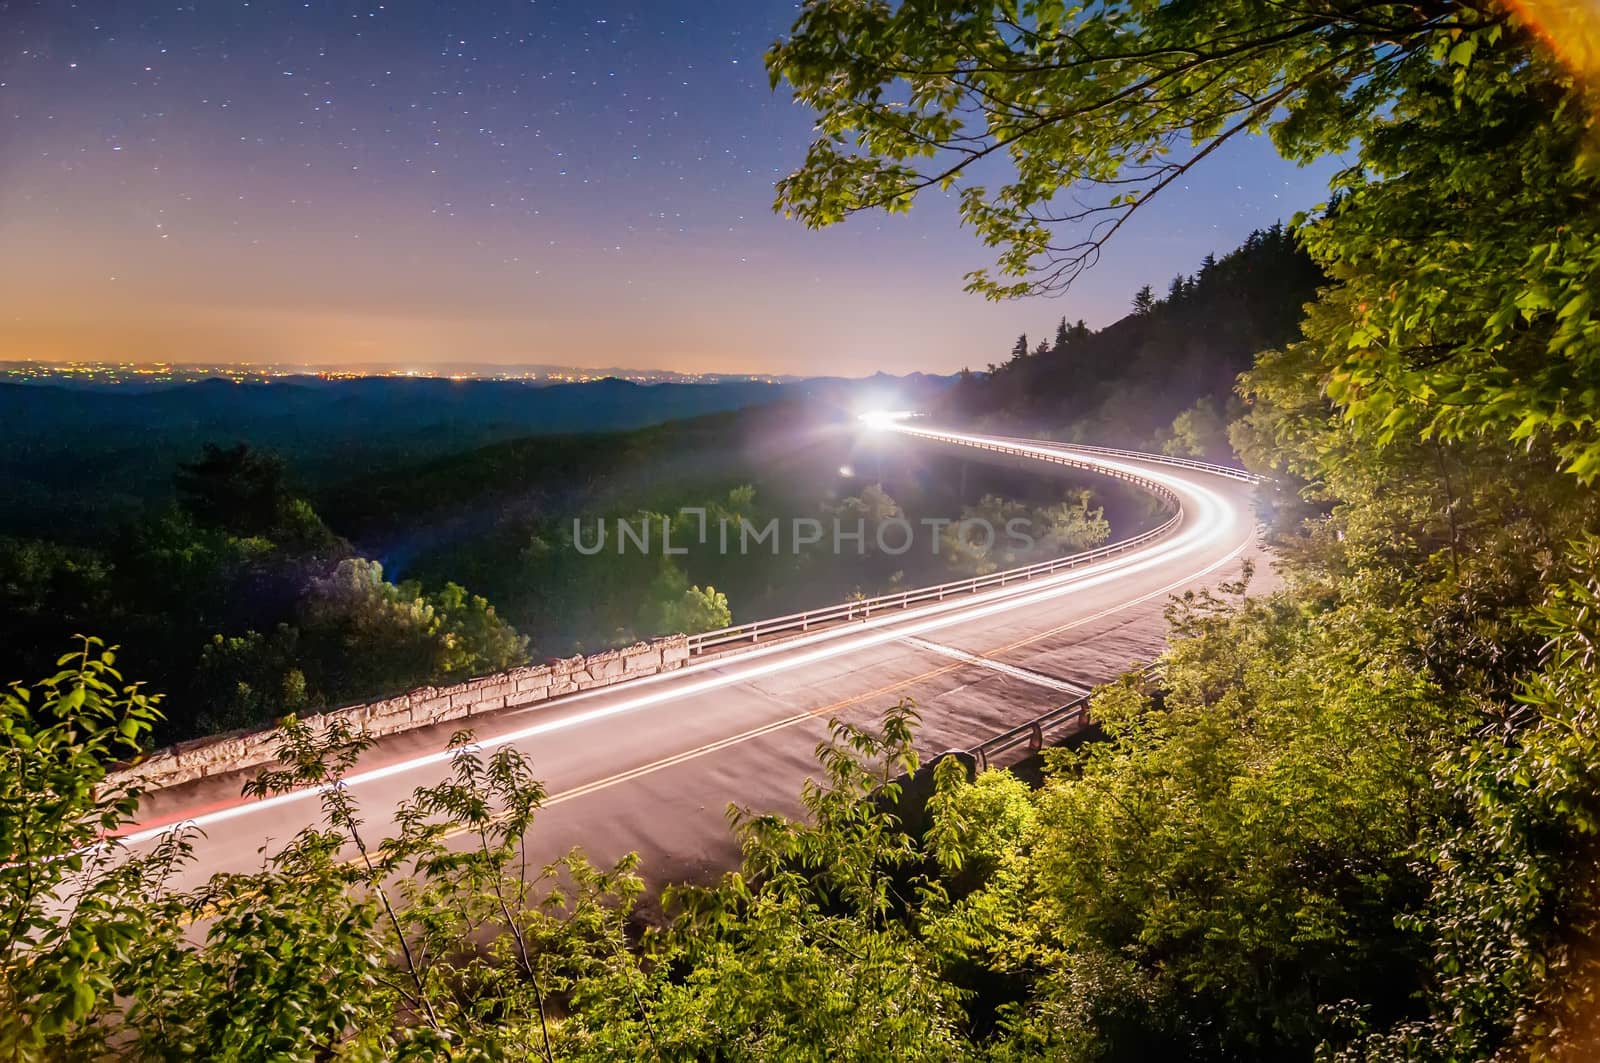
{"x":650,"y":765}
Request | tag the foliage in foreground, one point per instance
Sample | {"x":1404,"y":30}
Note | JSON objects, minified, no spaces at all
{"x":440,"y":940}
{"x":1299,"y":845}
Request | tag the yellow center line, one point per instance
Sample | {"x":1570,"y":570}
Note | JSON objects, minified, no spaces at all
{"x":680,"y":758}
{"x":777,"y":725}
{"x":723,"y":743}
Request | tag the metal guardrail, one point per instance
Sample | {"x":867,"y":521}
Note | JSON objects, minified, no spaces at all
{"x":1162,"y":459}
{"x":863,"y":608}
{"x":1071,"y":717}
{"x":1066,"y":719}
{"x":860,"y":610}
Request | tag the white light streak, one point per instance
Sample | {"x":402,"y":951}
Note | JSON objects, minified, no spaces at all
{"x":1209,"y":521}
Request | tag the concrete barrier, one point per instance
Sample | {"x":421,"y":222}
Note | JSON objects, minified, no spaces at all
{"x":423,"y":707}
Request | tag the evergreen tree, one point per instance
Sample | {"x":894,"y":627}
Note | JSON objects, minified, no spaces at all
{"x":1130,"y":379}
{"x":1144,"y":300}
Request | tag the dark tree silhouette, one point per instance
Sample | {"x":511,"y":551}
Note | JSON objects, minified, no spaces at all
{"x":237,"y":489}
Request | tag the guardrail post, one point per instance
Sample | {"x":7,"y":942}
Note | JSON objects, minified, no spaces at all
{"x":1036,"y":737}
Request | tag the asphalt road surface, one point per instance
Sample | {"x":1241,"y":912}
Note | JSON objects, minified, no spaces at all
{"x":650,"y":765}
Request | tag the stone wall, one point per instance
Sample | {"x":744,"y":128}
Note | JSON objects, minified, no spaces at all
{"x":520,"y":687}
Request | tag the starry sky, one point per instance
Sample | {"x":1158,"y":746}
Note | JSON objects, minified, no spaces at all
{"x":574,"y":182}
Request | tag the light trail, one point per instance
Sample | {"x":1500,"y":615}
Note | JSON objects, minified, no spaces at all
{"x":1207,"y":521}
{"x":584,"y":789}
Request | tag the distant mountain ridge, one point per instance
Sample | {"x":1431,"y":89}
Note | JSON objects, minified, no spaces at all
{"x":75,"y":460}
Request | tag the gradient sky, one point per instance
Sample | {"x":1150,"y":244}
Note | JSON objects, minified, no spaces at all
{"x":540,"y":181}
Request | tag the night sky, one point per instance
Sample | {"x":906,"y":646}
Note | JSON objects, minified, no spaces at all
{"x":578,"y":183}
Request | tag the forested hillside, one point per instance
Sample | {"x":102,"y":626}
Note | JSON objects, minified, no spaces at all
{"x":1125,"y":384}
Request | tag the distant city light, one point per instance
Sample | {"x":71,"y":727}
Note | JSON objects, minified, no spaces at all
{"x":121,"y":372}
